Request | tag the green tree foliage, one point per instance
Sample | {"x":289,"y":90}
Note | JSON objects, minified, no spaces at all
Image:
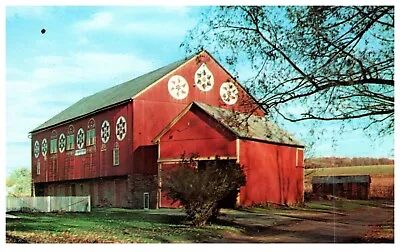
{"x":327,"y":62}
{"x":200,"y":190}
{"x":18,"y":184}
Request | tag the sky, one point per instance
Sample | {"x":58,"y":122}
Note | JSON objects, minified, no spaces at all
{"x":88,"y":49}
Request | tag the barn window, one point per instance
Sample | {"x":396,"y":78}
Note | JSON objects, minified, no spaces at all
{"x":70,"y":138}
{"x":90,"y":137}
{"x":53,"y":146}
{"x":70,"y":142}
{"x":91,"y":133}
{"x":116,"y":156}
{"x":38,"y":167}
{"x":53,"y":142}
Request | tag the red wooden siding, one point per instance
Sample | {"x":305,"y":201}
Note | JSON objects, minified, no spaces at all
{"x":271,"y":174}
{"x":165,"y":201}
{"x":155,"y":108}
{"x":96,"y":162}
{"x":197,"y":133}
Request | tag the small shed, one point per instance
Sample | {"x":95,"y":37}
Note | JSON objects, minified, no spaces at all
{"x":350,"y":187}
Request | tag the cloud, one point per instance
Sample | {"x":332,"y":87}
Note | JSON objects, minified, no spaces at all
{"x":167,"y":28}
{"x":88,"y":66}
{"x":98,"y":21}
{"x":175,"y":9}
{"x":83,"y":41}
{"x":57,"y":81}
{"x":28,"y":12}
{"x":148,"y":21}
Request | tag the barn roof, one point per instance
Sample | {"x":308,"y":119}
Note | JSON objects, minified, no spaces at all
{"x":110,"y":97}
{"x":242,"y":125}
{"x":341,"y":179}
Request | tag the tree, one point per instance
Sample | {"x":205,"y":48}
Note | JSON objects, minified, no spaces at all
{"x":19,"y":183}
{"x":201,"y":189}
{"x":330,"y":63}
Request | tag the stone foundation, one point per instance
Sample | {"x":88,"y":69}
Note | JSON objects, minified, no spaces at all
{"x":125,"y":191}
{"x":140,"y":184}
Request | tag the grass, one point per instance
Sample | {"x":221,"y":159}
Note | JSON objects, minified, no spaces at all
{"x":110,"y":225}
{"x":342,"y":206}
{"x":114,"y":225}
{"x":352,"y":170}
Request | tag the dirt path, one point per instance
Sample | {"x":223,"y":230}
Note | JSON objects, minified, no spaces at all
{"x":312,"y":227}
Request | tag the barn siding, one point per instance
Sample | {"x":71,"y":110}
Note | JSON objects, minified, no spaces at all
{"x":197,"y":133}
{"x":349,"y":190}
{"x":271,"y":174}
{"x":97,"y":162}
{"x":154,"y":109}
{"x":165,"y":201}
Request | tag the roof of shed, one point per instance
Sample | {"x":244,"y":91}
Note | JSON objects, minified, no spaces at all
{"x":112,"y":96}
{"x":242,"y":125}
{"x":341,"y":179}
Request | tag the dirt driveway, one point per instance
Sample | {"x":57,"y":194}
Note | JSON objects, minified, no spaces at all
{"x":368,"y":224}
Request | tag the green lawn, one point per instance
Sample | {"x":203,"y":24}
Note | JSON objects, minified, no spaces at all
{"x":114,"y":225}
{"x":110,"y":225}
{"x":352,"y":170}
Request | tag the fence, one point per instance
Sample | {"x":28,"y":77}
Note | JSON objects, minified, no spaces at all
{"x":49,"y":204}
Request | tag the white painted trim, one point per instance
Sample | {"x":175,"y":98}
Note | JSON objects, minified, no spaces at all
{"x":162,"y":78}
{"x":144,"y":201}
{"x":159,"y":196}
{"x":158,"y":150}
{"x":172,"y":123}
{"x":237,"y":150}
{"x":297,"y":156}
{"x":177,"y":160}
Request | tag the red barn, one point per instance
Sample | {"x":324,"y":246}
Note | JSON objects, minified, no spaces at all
{"x":114,"y":145}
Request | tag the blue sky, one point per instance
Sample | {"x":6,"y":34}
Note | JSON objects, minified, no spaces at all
{"x":88,"y":49}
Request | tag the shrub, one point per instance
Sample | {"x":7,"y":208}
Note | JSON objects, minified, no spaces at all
{"x":200,"y":187}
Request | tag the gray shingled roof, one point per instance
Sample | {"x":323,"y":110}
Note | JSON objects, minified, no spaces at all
{"x":250,"y":126}
{"x":111,"y":96}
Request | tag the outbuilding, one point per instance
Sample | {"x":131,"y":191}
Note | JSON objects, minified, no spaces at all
{"x":350,"y":187}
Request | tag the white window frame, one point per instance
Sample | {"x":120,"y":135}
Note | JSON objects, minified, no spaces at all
{"x":53,"y":146}
{"x":91,"y":137}
{"x":146,"y":201}
{"x":71,"y":136}
{"x":115,"y":156}
{"x":38,"y":167}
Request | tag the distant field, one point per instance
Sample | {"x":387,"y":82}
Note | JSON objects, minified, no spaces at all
{"x":382,"y":177}
{"x":351,"y":170}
